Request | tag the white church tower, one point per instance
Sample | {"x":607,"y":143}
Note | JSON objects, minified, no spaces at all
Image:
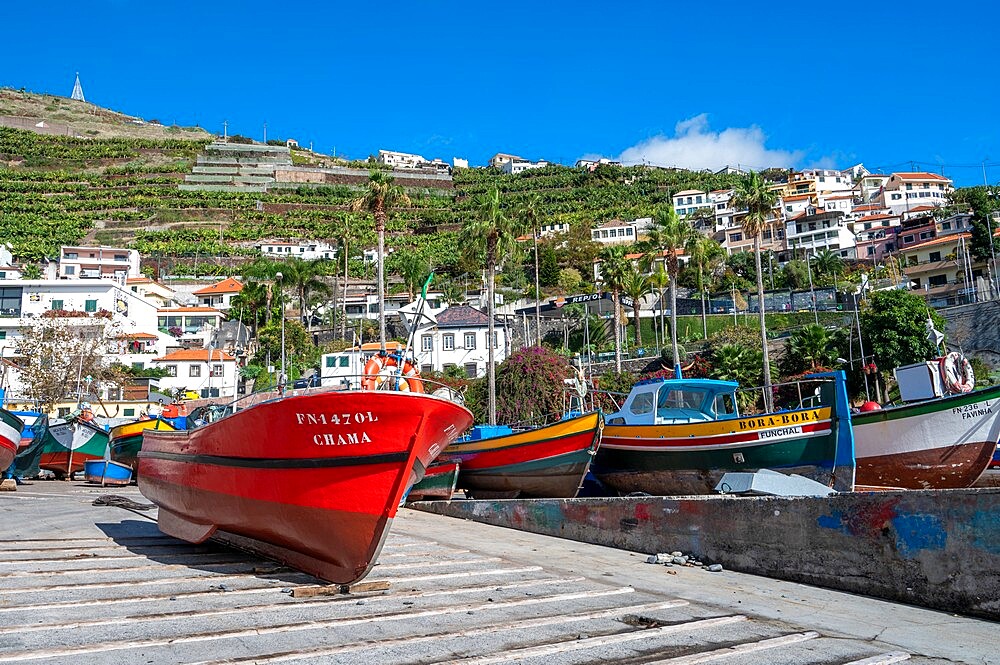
{"x":77,"y":90}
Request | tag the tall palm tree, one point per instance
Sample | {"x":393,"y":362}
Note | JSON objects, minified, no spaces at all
{"x":704,"y":251}
{"x":491,"y":237}
{"x":660,"y":280}
{"x":453,"y":292}
{"x":530,"y":214}
{"x":753,"y":194}
{"x":413,"y":268}
{"x":614,"y":268}
{"x":669,"y":235}
{"x":380,"y":196}
{"x":636,"y":287}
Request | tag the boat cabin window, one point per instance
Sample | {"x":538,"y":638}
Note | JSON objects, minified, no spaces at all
{"x":642,"y":403}
{"x":725,"y":405}
{"x":681,"y":399}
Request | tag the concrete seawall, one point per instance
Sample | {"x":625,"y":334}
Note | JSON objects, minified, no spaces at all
{"x":938,"y":549}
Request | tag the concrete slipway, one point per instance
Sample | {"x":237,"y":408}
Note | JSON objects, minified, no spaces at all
{"x":98,"y":584}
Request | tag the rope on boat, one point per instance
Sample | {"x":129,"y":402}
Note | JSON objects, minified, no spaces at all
{"x":121,"y":502}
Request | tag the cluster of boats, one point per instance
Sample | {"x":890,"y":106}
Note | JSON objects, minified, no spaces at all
{"x":314,"y":477}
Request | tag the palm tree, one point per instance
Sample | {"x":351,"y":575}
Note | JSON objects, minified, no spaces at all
{"x":453,"y":292}
{"x":413,"y":268}
{"x":306,"y":278}
{"x":381,"y":195}
{"x":704,"y":251}
{"x":491,"y":236}
{"x":753,"y":194}
{"x":826,"y":262}
{"x":614,"y":269}
{"x":636,"y":287}
{"x":810,"y":347}
{"x":254,"y":304}
{"x":670,"y":235}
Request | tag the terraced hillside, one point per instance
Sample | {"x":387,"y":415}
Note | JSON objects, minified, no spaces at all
{"x":58,"y":190}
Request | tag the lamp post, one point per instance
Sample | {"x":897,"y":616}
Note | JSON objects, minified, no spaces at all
{"x":538,"y":306}
{"x":284,"y":377}
{"x":989,"y":228}
{"x":812,"y":292}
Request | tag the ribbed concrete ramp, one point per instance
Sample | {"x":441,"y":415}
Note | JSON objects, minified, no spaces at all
{"x":98,"y":584}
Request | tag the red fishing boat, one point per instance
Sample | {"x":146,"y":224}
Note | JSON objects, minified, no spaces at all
{"x":10,"y":437}
{"x":310,"y":479}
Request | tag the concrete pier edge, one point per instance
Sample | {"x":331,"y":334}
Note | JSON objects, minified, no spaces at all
{"x":937,"y":548}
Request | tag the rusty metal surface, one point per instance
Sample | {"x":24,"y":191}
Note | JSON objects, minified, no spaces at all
{"x":99,"y":584}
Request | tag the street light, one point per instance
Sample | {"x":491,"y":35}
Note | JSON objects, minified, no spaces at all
{"x":284,"y":377}
{"x":812,"y":293}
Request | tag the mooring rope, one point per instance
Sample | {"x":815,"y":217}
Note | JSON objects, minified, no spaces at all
{"x":121,"y":502}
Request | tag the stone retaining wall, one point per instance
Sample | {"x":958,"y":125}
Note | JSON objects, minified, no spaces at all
{"x":939,"y":549}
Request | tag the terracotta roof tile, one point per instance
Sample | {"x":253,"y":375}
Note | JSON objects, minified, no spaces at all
{"x":462,"y":315}
{"x":921,"y":175}
{"x":225,"y":286}
{"x":194,"y":355}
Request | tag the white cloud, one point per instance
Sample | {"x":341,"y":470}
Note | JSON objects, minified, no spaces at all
{"x":695,"y":146}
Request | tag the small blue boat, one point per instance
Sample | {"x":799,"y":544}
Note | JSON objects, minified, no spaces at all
{"x":107,"y":472}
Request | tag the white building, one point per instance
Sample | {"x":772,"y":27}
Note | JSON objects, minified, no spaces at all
{"x":406,"y":160}
{"x":814,"y":230}
{"x":552,"y":229}
{"x":518,"y":165}
{"x":828,"y":180}
{"x":145,"y":287}
{"x":459,"y":339}
{"x":615,"y":232}
{"x":591,"y":164}
{"x":690,"y":200}
{"x":192,"y":370}
{"x":903,"y":191}
{"x":307,"y":250}
{"x":219,"y":295}
{"x":83,"y":303}
{"x":98,"y":263}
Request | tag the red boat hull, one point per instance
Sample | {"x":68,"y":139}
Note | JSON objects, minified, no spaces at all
{"x":311,"y":480}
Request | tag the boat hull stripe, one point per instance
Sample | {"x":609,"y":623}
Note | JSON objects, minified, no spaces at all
{"x":287,"y":463}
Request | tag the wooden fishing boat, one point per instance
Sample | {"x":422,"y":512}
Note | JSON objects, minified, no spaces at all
{"x":941,"y":443}
{"x":439,"y":482}
{"x":126,"y":439}
{"x":545,"y":462}
{"x":312,"y":480}
{"x":679,"y":436}
{"x":71,"y":443}
{"x":106,"y":472}
{"x":10,"y":437}
{"x":33,"y":436}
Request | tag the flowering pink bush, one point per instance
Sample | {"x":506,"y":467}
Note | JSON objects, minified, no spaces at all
{"x":529,"y":387}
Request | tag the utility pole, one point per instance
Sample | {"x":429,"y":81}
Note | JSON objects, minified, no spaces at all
{"x":538,"y":307}
{"x":265,"y":132}
{"x":225,"y":131}
{"x":989,"y":228}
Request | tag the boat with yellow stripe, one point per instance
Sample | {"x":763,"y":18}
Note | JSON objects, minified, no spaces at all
{"x":126,"y":440}
{"x":679,"y":436}
{"x":542,"y":462}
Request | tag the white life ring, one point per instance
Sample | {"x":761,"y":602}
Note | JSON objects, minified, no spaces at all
{"x":956,"y":373}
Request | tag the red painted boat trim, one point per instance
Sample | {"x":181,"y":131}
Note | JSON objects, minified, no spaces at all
{"x":528,"y":452}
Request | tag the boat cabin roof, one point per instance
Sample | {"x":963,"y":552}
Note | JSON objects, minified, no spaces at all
{"x":677,"y":402}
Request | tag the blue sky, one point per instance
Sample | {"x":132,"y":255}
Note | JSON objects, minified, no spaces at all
{"x":695,"y":84}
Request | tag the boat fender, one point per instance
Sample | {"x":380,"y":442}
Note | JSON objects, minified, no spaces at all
{"x":870,"y":406}
{"x":957,"y":374}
